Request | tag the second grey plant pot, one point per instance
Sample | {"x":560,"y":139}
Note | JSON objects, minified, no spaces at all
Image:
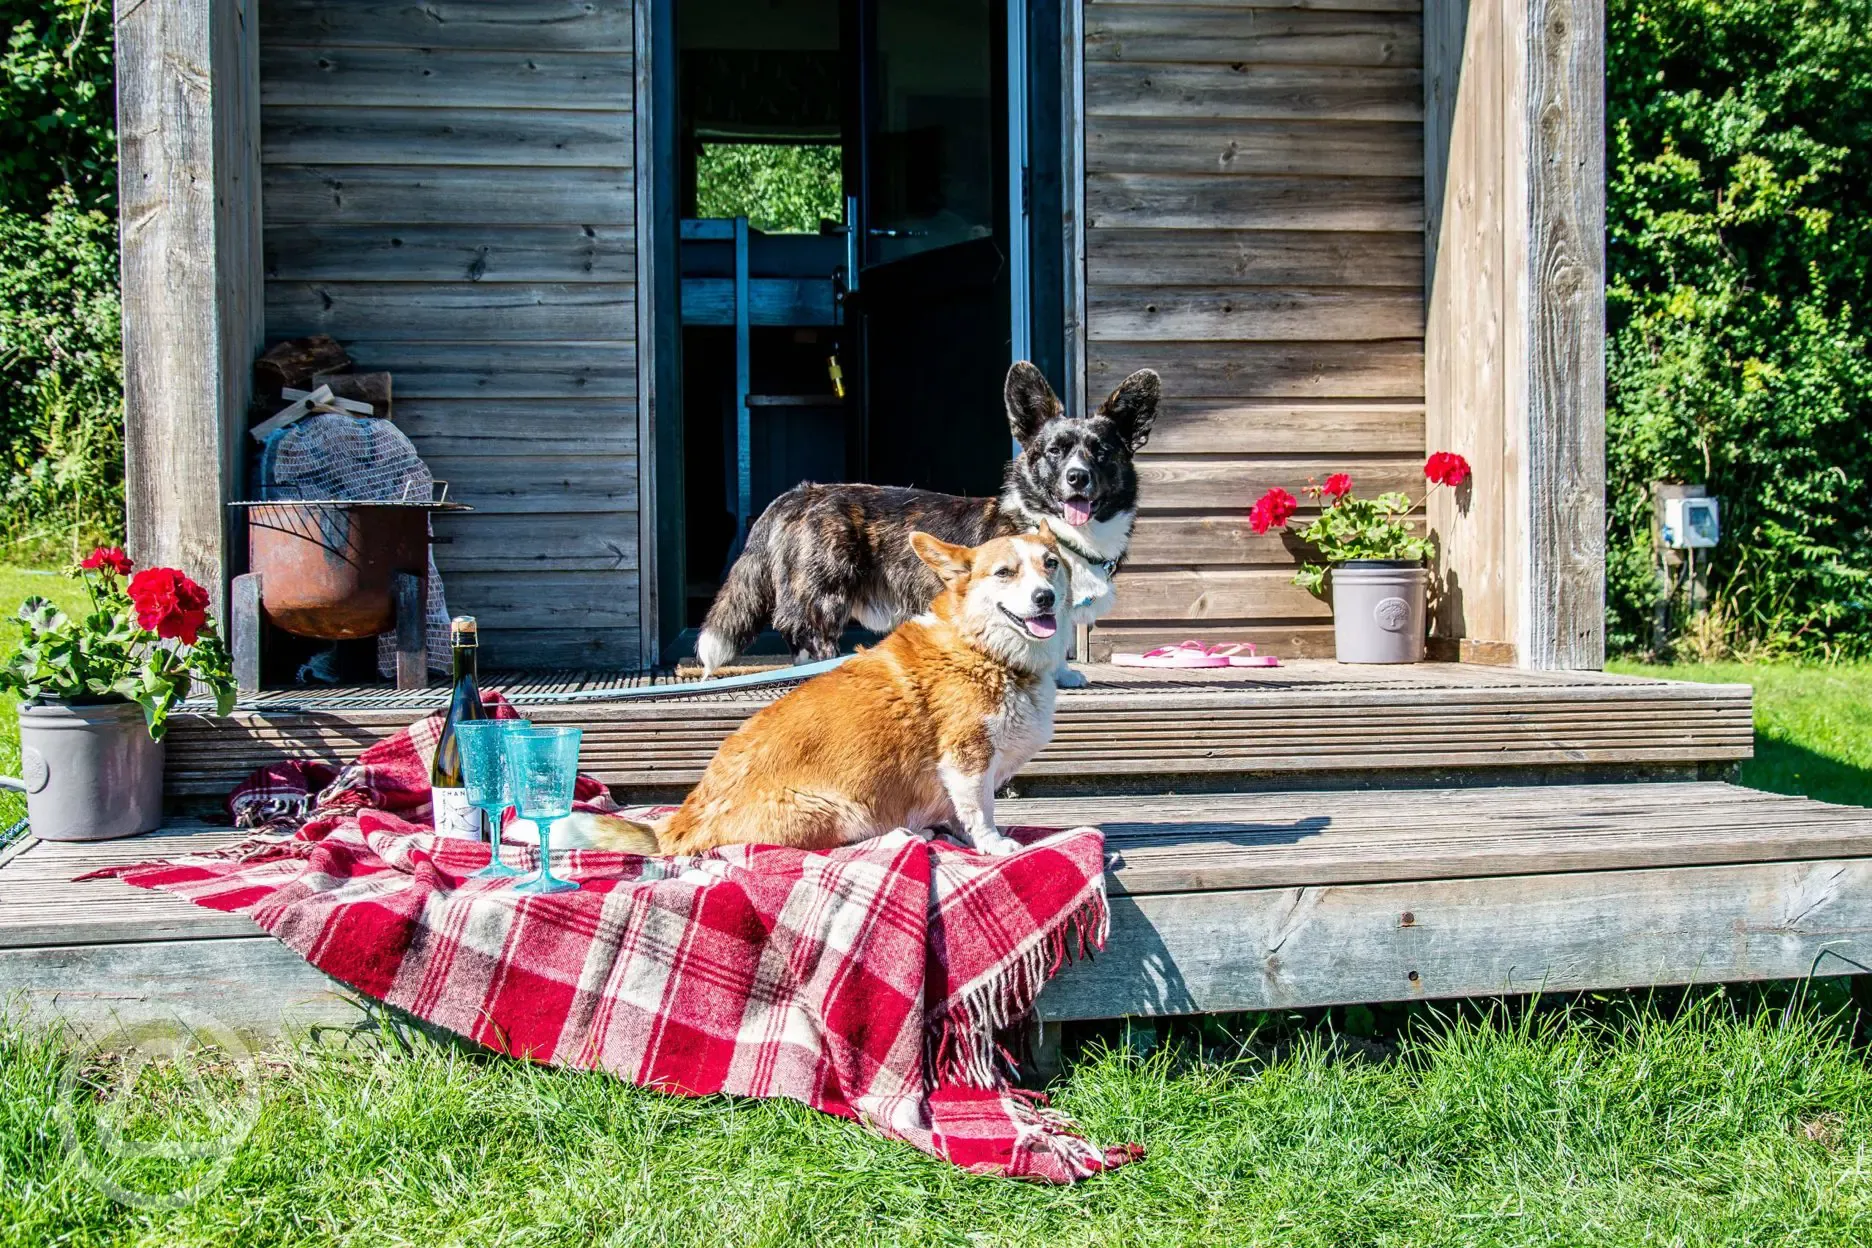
{"x":91,"y":772}
{"x":1378,"y":611}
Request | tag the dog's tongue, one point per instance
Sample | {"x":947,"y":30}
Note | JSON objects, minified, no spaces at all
{"x":1042,"y":626}
{"x":1077,"y":512}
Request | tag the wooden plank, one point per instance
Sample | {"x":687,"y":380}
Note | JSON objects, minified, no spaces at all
{"x":584,"y":601}
{"x":1238,"y":313}
{"x":1169,"y":541}
{"x":1247,"y":427}
{"x":542,"y":25}
{"x":596,"y":541}
{"x":1165,"y":482}
{"x":458,"y":311}
{"x":1298,"y":839}
{"x":254,"y":985}
{"x":1269,"y":36}
{"x":1285,"y":641}
{"x":534,"y":138}
{"x":606,"y":649}
{"x":1329,"y":718}
{"x":445,"y":195}
{"x":420,"y":77}
{"x":1154,"y":258}
{"x":1275,"y":370}
{"x":503,"y":484}
{"x":1164,"y":201}
{"x":454,"y":427}
{"x":1279,"y":948}
{"x":1464,"y":361}
{"x":1234,"y":147}
{"x":771,"y":301}
{"x":188,"y":162}
{"x":499,"y":371}
{"x":315,"y":251}
{"x":1277,"y":92}
{"x":1560,"y":144}
{"x":1228,"y":594}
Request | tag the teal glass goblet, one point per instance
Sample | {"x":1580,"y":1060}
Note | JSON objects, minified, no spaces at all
{"x":542,"y":766}
{"x":486,"y":782}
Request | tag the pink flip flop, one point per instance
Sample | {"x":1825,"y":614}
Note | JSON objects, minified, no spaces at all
{"x":1184,"y":654}
{"x":1191,"y":654}
{"x":1236,"y":658}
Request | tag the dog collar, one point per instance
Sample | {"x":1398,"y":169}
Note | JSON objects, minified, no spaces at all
{"x":1108,"y":566}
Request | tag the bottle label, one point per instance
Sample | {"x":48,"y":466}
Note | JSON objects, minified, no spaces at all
{"x":453,"y":815}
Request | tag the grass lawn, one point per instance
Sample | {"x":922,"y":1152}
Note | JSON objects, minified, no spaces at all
{"x":1698,"y":1118}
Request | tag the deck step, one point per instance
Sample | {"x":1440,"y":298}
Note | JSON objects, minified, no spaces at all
{"x":1129,"y":728}
{"x":1220,"y":902}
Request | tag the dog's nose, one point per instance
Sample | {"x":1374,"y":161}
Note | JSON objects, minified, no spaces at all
{"x":1044,"y":599}
{"x":1077,"y":478}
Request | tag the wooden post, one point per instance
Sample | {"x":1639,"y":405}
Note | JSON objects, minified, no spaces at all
{"x":247,"y":625}
{"x":188,"y":92}
{"x":1515,"y":337}
{"x":412,"y":666}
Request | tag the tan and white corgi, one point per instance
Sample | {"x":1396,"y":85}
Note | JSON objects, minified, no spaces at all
{"x":917,"y":732}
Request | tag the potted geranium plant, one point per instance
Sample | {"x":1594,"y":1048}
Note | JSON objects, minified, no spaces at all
{"x":96,"y":692}
{"x":1375,"y":555}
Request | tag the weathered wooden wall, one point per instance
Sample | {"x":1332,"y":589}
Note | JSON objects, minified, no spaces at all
{"x":449,"y":190}
{"x":1254,"y":212}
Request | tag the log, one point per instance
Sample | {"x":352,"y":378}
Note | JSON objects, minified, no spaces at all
{"x":371,"y":388}
{"x":295,"y":363}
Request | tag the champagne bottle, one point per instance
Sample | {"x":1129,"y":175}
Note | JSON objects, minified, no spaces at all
{"x":448,"y":799}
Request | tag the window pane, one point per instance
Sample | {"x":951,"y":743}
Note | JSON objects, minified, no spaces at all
{"x":782,"y":188}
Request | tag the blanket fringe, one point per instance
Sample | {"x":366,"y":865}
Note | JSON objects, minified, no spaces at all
{"x":962,"y":1038}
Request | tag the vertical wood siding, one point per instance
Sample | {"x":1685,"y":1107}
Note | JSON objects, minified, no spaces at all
{"x":1254,"y":231}
{"x":448,"y":190}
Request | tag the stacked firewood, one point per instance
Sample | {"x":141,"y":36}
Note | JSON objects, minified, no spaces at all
{"x":303,"y":375}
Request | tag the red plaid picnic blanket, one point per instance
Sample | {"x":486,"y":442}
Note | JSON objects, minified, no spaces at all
{"x":873,"y":982}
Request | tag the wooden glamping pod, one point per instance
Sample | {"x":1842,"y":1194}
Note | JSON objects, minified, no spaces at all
{"x":1347,"y":233}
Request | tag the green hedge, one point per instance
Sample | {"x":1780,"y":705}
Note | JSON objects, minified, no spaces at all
{"x":1740,"y":220}
{"x":61,"y":359}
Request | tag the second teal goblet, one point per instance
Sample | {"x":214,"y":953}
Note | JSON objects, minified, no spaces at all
{"x":487,"y":781}
{"x":542,"y":765}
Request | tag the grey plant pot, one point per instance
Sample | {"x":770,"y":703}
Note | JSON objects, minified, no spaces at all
{"x":91,"y":772}
{"x":1378,"y":611}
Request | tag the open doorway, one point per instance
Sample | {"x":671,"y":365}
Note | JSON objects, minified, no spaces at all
{"x":855,"y":254}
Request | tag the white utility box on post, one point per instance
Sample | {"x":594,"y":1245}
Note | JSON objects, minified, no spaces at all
{"x":1691,"y":523}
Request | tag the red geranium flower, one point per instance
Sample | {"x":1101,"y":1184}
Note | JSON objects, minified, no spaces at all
{"x":1272,"y":510}
{"x":1447,"y":468}
{"x":169,"y":604}
{"x":1337,"y":486}
{"x":108,"y":559}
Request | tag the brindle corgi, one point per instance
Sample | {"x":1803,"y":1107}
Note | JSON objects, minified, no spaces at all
{"x":917,"y":732}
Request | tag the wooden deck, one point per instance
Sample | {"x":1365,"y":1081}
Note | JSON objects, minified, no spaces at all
{"x":1309,"y":722}
{"x":1222,"y":902}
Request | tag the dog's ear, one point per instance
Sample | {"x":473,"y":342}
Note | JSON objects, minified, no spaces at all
{"x":1133,"y":407}
{"x":951,"y":563}
{"x":1030,"y":401}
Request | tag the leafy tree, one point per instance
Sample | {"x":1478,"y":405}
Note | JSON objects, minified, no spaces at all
{"x":61,"y":408}
{"x":1741,"y":305}
{"x":782,"y":188}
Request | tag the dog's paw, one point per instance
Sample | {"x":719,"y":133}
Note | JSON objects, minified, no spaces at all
{"x":1069,"y":678}
{"x":994,"y":844}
